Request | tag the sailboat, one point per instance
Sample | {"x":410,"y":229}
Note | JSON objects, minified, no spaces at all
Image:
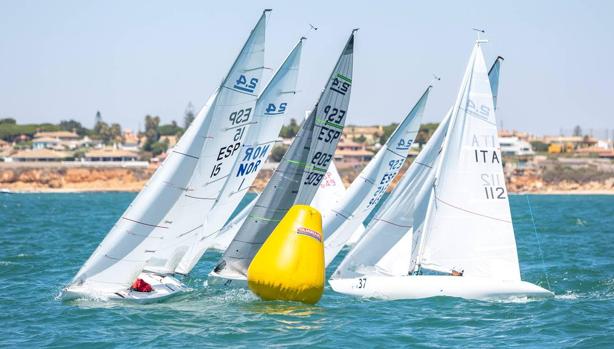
{"x":446,"y":230}
{"x":367,"y":189}
{"x":298,"y":176}
{"x":173,"y":201}
{"x":273,"y":105}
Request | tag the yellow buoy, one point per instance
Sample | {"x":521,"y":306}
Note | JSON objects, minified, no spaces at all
{"x":290,"y":263}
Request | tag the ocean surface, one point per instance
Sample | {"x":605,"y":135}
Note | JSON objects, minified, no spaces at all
{"x":45,"y":238}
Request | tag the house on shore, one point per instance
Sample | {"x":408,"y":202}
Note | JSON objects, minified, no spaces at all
{"x":350,"y":152}
{"x":59,"y":135}
{"x":39,"y":155}
{"x":514,"y":146}
{"x":130,"y":141}
{"x":370,"y":134}
{"x":4,"y":145}
{"x":60,"y":140}
{"x":45,"y":143}
{"x":110,"y":155}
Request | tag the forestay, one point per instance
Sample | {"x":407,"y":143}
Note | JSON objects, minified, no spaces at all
{"x":468,"y":227}
{"x":369,"y":187}
{"x":272,"y":106}
{"x":300,"y":171}
{"x":161,"y":211}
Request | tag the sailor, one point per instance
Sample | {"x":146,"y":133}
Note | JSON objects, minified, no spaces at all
{"x":141,"y":285}
{"x":457,"y":273}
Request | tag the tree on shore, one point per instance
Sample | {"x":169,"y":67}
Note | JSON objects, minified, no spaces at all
{"x":290,"y":130}
{"x":278,"y":152}
{"x":73,"y":126}
{"x":171,"y":129}
{"x":189,"y":116}
{"x":152,"y":132}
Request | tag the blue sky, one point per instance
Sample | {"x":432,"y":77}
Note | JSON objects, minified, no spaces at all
{"x":68,"y":59}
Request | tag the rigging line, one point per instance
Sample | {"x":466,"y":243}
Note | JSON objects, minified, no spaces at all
{"x":391,"y":223}
{"x":539,"y":246}
{"x":395,"y":153}
{"x":475,"y":213}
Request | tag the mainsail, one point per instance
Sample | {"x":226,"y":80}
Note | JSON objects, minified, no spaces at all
{"x":468,"y":225}
{"x":368,"y":188}
{"x":300,"y":171}
{"x":180,"y":189}
{"x":272,"y":106}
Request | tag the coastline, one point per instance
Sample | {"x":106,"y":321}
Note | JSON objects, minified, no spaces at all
{"x":94,"y":190}
{"x":135,"y":188}
{"x":62,"y":179}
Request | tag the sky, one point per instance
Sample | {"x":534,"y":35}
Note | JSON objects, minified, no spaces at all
{"x":67,"y":59}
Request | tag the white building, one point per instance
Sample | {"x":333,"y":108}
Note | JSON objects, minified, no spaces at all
{"x":513,"y":146}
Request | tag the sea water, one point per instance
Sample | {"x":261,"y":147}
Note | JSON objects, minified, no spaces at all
{"x":45,"y":238}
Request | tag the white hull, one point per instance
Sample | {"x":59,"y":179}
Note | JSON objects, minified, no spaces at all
{"x":425,"y":286}
{"x":164,"y":286}
{"x":233,"y":281}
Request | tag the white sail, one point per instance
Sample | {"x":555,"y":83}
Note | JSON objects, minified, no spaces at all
{"x":159,"y":210}
{"x":369,"y":187}
{"x":231,"y":119}
{"x":223,"y":238}
{"x":272,"y":106}
{"x":468,"y":226}
{"x":330,"y":193}
{"x":395,"y":219}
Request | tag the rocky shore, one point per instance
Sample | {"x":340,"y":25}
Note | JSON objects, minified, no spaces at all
{"x":57,"y":178}
{"x":73,"y":179}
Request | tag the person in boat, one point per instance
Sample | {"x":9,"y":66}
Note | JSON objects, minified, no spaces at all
{"x":457,"y":273}
{"x":141,"y":285}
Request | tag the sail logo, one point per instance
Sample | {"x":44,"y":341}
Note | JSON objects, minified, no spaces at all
{"x":341,"y":84}
{"x":271,"y":109}
{"x":309,"y":232}
{"x":327,"y":181}
{"x":404,"y":145}
{"x":243,"y":85}
{"x":252,"y":158}
{"x":480,"y":112}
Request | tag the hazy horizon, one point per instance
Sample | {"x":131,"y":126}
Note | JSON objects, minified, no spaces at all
{"x":67,"y":59}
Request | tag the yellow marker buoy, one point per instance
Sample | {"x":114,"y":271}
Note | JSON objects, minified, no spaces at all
{"x":290,"y":263}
